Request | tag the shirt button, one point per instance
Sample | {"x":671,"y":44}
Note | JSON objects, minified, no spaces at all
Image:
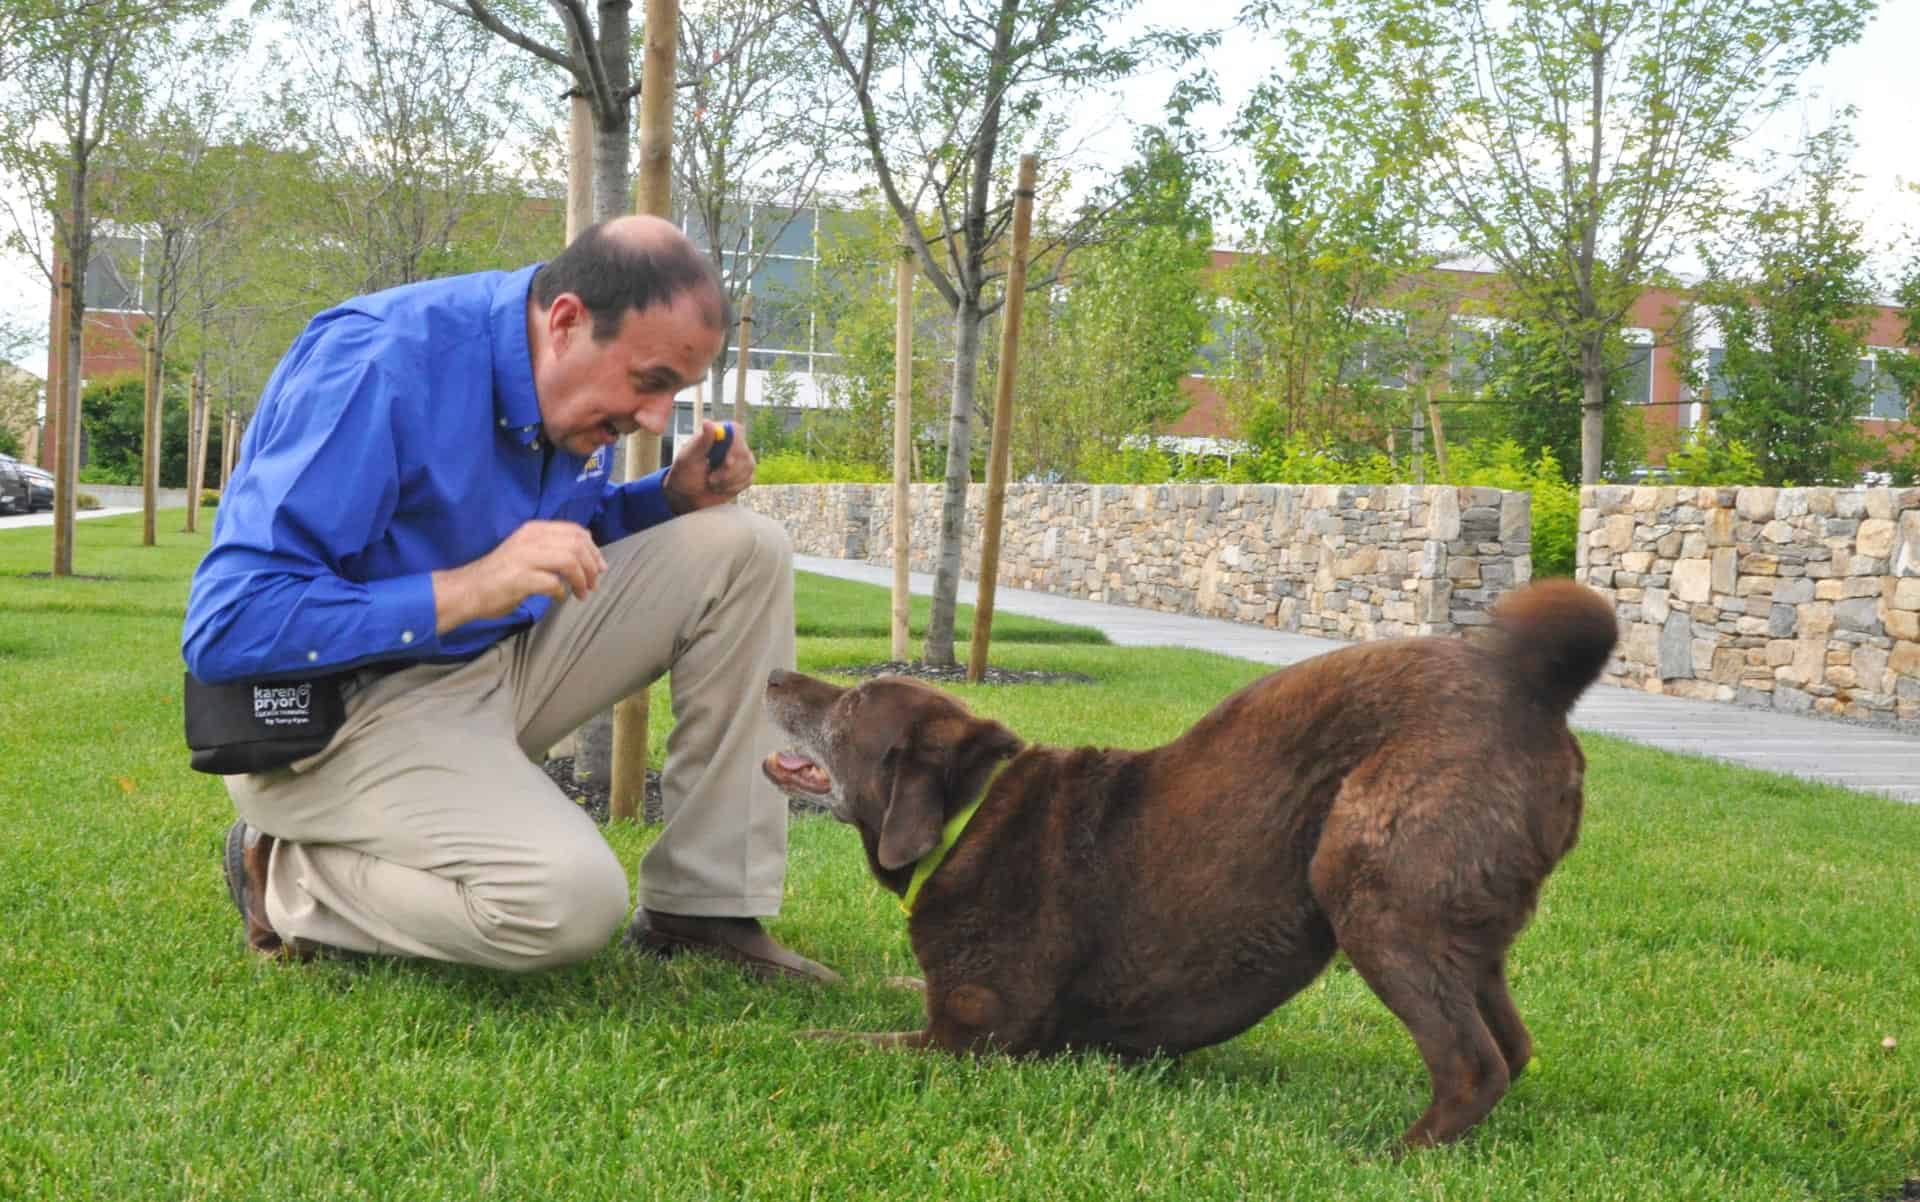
{"x":312,"y":656}
{"x":406,"y":636}
{"x":503,"y":423}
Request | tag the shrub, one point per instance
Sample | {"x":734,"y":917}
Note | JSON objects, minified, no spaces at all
{"x":1705,"y":459}
{"x":209,"y":498}
{"x":1556,"y":503}
{"x":86,"y":500}
{"x":793,"y":467}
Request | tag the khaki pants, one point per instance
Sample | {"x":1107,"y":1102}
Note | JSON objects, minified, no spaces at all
{"x":428,"y":827}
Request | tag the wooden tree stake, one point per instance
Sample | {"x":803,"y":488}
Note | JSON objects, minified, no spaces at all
{"x":1002,"y":419}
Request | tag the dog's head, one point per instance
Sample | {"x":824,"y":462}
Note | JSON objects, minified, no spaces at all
{"x":891,"y":756}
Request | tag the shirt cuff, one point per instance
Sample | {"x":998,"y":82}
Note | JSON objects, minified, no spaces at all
{"x":643,"y":502}
{"x":401,"y":619}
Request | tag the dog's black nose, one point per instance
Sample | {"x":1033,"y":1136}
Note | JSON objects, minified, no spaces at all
{"x":778,"y":677}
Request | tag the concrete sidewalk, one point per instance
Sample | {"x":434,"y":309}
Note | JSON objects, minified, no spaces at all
{"x":1844,"y":753}
{"x":45,"y":517}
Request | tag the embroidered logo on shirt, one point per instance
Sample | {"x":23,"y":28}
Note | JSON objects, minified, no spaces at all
{"x":596,"y":465}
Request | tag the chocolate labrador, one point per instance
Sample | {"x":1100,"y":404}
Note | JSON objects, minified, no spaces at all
{"x":1399,"y":801}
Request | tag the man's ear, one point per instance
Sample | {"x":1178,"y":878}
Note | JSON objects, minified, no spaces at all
{"x":926,"y":788}
{"x":565,"y":319}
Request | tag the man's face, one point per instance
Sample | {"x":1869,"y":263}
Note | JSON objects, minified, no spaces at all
{"x":592,"y":392}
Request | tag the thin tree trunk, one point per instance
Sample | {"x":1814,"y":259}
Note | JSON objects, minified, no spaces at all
{"x":938,"y":650}
{"x":612,"y":137}
{"x":1593,"y":417}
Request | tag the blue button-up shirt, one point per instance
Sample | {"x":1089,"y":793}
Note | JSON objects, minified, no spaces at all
{"x":399,"y":436}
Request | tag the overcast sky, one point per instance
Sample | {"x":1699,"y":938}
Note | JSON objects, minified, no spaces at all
{"x":1876,"y":76}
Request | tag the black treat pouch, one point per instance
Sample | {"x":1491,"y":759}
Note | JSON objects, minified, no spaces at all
{"x":257,"y":725}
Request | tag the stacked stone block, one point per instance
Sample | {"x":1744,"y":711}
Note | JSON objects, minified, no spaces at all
{"x":1800,"y":600}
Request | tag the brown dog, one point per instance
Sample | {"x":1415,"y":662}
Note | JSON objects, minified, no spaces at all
{"x":1402,"y":801}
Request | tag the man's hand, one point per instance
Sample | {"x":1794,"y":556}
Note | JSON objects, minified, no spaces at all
{"x":691,"y":485}
{"x":548,"y":559}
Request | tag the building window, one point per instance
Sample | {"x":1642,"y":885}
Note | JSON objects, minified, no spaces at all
{"x":115,"y":280}
{"x":1719,"y":388}
{"x":1884,"y":402}
{"x":1475,"y":341}
{"x":1379,"y":355}
{"x":1636,"y":370}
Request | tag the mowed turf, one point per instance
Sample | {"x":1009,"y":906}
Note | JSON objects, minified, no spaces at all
{"x":1709,"y":982}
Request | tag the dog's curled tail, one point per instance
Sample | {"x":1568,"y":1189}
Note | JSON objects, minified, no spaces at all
{"x":1556,"y":636}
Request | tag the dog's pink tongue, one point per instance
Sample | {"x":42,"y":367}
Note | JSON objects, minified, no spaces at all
{"x":792,"y":762}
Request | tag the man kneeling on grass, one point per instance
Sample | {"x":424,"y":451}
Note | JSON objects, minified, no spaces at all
{"x":422,"y":532}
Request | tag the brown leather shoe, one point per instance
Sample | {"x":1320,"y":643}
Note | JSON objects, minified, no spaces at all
{"x":248,"y":851}
{"x":741,"y":941}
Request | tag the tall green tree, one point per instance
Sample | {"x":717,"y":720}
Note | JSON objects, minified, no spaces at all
{"x":943,"y":94}
{"x":854,"y":307}
{"x":1572,"y":143}
{"x":1794,"y":302}
{"x":758,"y":126}
{"x":405,"y":116}
{"x":1321,"y":312}
{"x":1104,"y":362}
{"x":79,"y":80}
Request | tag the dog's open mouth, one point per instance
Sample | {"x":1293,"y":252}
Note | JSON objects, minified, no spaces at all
{"x":797,"y":774}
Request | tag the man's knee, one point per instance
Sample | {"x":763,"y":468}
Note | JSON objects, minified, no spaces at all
{"x":753,"y":541}
{"x":569,"y":912}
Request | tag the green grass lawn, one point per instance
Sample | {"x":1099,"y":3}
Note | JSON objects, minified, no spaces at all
{"x":1708,"y":982}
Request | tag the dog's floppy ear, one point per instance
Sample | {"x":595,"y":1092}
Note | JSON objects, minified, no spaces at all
{"x":930,"y":781}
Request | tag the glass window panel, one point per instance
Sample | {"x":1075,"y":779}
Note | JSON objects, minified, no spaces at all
{"x":1886,"y":402}
{"x":783,"y":279}
{"x":1636,"y":375}
{"x":840,"y":225}
{"x":780,"y":325}
{"x":731,"y":236}
{"x":1215,"y":351}
{"x":1379,"y":357}
{"x":113,"y":273}
{"x":1718,"y":387}
{"x":783,"y":231}
{"x":1472,"y":357}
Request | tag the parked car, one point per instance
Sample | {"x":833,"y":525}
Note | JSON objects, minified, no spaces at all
{"x":39,"y":485}
{"x":16,"y":494}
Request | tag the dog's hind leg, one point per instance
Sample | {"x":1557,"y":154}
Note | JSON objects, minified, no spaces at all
{"x":1503,"y":1020}
{"x":1431,"y":985}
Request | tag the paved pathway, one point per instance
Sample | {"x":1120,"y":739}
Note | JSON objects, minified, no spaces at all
{"x":1860,"y":757}
{"x":45,"y":517}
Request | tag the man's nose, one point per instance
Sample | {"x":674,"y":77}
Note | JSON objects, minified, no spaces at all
{"x":653,"y":414}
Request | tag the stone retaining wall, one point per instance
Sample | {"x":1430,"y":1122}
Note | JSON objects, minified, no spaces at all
{"x":1341,"y":561}
{"x":1800,"y":600}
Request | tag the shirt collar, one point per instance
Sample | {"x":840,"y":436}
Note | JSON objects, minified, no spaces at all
{"x":516,"y":405}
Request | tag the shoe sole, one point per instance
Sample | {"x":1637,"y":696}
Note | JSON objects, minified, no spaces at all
{"x":235,"y":864}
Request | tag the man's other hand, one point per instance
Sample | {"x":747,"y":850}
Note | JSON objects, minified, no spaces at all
{"x":548,"y":559}
{"x":691,"y":484}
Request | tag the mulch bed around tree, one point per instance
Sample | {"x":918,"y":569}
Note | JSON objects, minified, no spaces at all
{"x":594,"y":795}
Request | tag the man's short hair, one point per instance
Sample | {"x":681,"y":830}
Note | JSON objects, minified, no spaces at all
{"x":611,"y":276}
